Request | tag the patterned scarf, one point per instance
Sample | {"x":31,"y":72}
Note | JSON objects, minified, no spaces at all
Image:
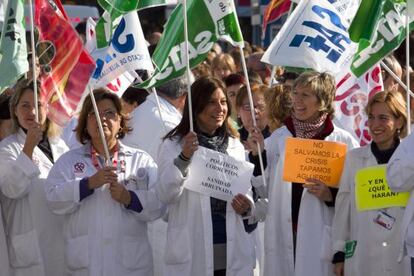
{"x":309,"y":129}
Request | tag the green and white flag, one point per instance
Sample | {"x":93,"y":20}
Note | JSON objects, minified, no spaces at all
{"x":120,"y":6}
{"x":13,"y":51}
{"x":210,"y":21}
{"x":145,"y":4}
{"x":114,"y":9}
{"x":388,"y":34}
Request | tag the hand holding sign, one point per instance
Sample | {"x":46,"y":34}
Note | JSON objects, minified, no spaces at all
{"x":318,"y":189}
{"x":241,"y":204}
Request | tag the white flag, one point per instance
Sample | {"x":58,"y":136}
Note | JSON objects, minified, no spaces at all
{"x":315,"y":37}
{"x":126,"y":52}
{"x":352,"y":95}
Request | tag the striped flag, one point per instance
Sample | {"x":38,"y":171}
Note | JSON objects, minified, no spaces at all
{"x":67,"y":66}
{"x":274,"y":10}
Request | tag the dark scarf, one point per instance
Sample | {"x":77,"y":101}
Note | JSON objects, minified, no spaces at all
{"x":218,"y":141}
{"x":383,"y":156}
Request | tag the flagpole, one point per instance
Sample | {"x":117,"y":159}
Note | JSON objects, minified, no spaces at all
{"x":32,"y":38}
{"x":159,"y":108}
{"x":99,"y":122}
{"x":397,"y":79}
{"x":407,"y":66}
{"x":249,"y":94}
{"x":187,"y":61}
{"x":271,"y":76}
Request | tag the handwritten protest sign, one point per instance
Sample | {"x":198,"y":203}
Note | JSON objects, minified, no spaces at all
{"x":307,"y":158}
{"x":372,"y":191}
{"x":218,"y":175}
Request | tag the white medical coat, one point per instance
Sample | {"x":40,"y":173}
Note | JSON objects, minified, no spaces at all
{"x":313,"y":244}
{"x":33,"y":232}
{"x":189,"y":249}
{"x":377,"y":247}
{"x":102,"y":237}
{"x":400,"y":178}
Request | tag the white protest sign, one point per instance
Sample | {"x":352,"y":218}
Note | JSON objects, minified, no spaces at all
{"x":218,"y":175}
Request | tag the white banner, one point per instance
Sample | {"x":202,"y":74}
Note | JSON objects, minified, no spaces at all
{"x":127,"y":52}
{"x":218,"y":175}
{"x":352,"y":95}
{"x":315,"y":36}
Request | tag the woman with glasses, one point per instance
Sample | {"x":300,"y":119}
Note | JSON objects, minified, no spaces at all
{"x":244,"y":113}
{"x":206,"y":235}
{"x":298,"y":223}
{"x":106,"y":204}
{"x":33,"y":232}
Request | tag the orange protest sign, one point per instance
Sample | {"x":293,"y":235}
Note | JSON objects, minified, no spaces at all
{"x":308,"y":158}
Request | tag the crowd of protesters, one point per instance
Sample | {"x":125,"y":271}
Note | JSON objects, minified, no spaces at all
{"x":68,"y":210}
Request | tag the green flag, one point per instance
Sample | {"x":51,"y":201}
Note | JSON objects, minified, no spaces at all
{"x":144,"y":4}
{"x":208,"y":21}
{"x":120,"y":6}
{"x":390,"y":31}
{"x":13,"y":51}
{"x":366,"y":20}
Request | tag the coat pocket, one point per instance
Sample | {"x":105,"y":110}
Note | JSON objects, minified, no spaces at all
{"x":326,"y":246}
{"x":77,"y":253}
{"x":136,"y":253}
{"x":177,"y":250}
{"x":24,"y":250}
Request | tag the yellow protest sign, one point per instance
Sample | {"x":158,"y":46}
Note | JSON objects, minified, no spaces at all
{"x":372,"y":191}
{"x":308,"y":158}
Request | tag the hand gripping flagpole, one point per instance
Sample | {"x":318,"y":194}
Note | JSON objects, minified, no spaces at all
{"x":187,"y":60}
{"x":32,"y":42}
{"x":407,"y":66}
{"x":98,"y":120}
{"x":249,"y":93}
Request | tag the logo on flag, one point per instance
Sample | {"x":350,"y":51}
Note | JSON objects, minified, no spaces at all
{"x":314,"y":36}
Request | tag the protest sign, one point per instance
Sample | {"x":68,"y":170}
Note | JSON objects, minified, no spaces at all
{"x":308,"y":158}
{"x":372,"y":191}
{"x":218,"y":175}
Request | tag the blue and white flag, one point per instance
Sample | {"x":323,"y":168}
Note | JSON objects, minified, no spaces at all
{"x":314,"y":37}
{"x":126,"y":52}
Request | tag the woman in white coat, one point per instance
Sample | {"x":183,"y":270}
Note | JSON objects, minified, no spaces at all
{"x":106,"y":204}
{"x":33,"y":232}
{"x":205,"y":236}
{"x":377,"y":246}
{"x":298,"y":223}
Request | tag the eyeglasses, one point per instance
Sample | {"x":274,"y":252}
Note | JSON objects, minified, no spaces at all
{"x":108,"y":114}
{"x":260,"y":107}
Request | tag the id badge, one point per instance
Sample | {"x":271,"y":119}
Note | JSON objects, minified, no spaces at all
{"x":385,"y":220}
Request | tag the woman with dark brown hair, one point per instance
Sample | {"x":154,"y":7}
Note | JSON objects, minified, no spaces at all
{"x":106,"y":204}
{"x":205,"y":236}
